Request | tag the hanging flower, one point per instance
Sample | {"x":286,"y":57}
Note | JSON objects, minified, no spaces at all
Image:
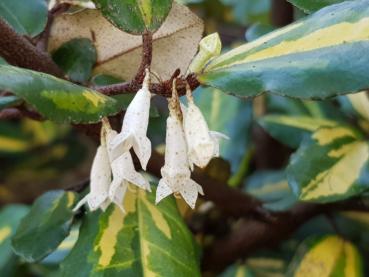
{"x":109,"y":178}
{"x":176,"y":175}
{"x":100,"y":179}
{"x":203,"y":145}
{"x":123,"y":170}
{"x":134,"y":127}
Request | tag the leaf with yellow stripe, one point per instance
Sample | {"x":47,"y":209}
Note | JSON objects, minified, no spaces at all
{"x":46,"y":225}
{"x":10,"y":216}
{"x":148,"y":240}
{"x":135,"y":16}
{"x":330,"y":165}
{"x":271,"y":187}
{"x":57,"y":99}
{"x":290,"y":130}
{"x":360,"y":103}
{"x":325,"y":257}
{"x":318,"y":57}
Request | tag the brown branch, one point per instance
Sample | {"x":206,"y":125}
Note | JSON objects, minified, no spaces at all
{"x":19,"y":112}
{"x":251,"y":234}
{"x":163,"y":89}
{"x":18,"y":51}
{"x":146,"y":57}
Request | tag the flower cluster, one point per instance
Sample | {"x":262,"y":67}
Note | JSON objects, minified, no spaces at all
{"x":188,"y":142}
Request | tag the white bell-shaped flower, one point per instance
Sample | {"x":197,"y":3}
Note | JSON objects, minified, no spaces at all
{"x":176,"y":175}
{"x":124,"y":173}
{"x":100,"y":179}
{"x":134,"y":127}
{"x":203,"y":145}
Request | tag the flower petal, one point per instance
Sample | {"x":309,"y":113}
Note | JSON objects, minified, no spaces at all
{"x":100,"y":179}
{"x":124,"y":170}
{"x":190,"y":191}
{"x":117,"y":191}
{"x":134,"y":128}
{"x":162,"y":191}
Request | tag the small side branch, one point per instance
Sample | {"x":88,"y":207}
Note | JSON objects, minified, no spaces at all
{"x":146,"y":57}
{"x":163,"y":89}
{"x":18,"y":51}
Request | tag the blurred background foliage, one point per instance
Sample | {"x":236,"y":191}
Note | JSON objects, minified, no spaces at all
{"x":39,"y":156}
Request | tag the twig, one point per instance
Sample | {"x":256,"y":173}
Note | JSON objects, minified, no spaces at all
{"x":19,"y":112}
{"x":163,"y":89}
{"x":18,"y":51}
{"x":146,"y":58}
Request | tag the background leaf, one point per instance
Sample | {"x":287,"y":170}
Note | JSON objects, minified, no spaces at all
{"x":56,"y":99}
{"x":148,"y":240}
{"x":136,"y":16}
{"x":331,"y":165}
{"x":47,"y":224}
{"x":327,"y":256}
{"x":10,"y":216}
{"x":310,"y":6}
{"x":76,"y":58}
{"x":27,"y":17}
{"x":315,"y":58}
{"x":271,"y":187}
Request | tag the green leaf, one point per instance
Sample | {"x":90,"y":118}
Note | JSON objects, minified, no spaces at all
{"x":9,"y":101}
{"x":148,"y":240}
{"x":325,"y":257}
{"x":27,"y":17}
{"x":249,"y":11}
{"x":330,"y":165}
{"x":76,"y":58}
{"x":291,"y":130}
{"x":47,"y":224}
{"x":310,"y":6}
{"x":318,"y":57}
{"x":135,"y":16}
{"x":56,"y":99}
{"x":101,"y":80}
{"x":271,"y":187}
{"x":10,"y":216}
{"x":234,"y":121}
{"x":2,"y":61}
{"x":258,"y":30}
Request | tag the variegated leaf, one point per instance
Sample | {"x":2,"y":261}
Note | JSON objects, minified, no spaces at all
{"x":56,"y":99}
{"x":360,"y":103}
{"x":46,"y":225}
{"x":318,"y":57}
{"x":331,"y":165}
{"x":10,"y":216}
{"x":325,"y":257}
{"x":135,"y":16}
{"x":148,"y":240}
{"x":290,"y":130}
